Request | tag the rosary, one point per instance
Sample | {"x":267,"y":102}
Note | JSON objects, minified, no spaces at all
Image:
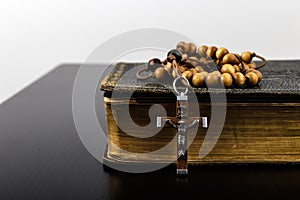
{"x":202,"y":67}
{"x":206,"y":66}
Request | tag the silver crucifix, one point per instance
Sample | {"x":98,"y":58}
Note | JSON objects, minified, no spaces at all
{"x":182,"y":122}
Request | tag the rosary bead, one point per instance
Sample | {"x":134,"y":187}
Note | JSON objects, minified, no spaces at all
{"x":228,"y":68}
{"x":217,"y":73}
{"x":221,"y":52}
{"x":252,"y":64}
{"x":211,"y":51}
{"x":190,"y":65}
{"x":246,"y":56}
{"x":198,"y":79}
{"x":230,"y":59}
{"x":153,"y":64}
{"x":217,"y":62}
{"x":181,"y":68}
{"x":176,"y":54}
{"x":237,"y":68}
{"x":183,"y":47}
{"x":258,"y":74}
{"x":252,"y":78}
{"x":168,"y":67}
{"x":202,"y":50}
{"x":192,"y":49}
{"x":187,"y":74}
{"x":193,"y":70}
{"x":184,"y":57}
{"x":159,"y":73}
{"x":212,"y":79}
{"x":226,"y":79}
{"x":246,"y":67}
{"x":239,"y":79}
{"x":180,"y":46}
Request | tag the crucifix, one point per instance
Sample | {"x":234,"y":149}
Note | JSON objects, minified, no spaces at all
{"x":182,"y":122}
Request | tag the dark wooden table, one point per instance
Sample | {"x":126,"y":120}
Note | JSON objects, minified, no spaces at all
{"x":42,"y":157}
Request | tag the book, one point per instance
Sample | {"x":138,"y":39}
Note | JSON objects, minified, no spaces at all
{"x":261,"y":124}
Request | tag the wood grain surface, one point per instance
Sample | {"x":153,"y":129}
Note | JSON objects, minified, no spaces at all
{"x":42,"y":157}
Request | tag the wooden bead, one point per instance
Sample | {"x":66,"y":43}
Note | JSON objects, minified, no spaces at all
{"x":230,"y":59}
{"x":246,"y":56}
{"x":184,"y":57}
{"x":239,"y":79}
{"x":168,"y":68}
{"x":187,"y":74}
{"x":202,"y":50}
{"x":246,"y":67}
{"x":189,"y":65}
{"x":237,"y":68}
{"x":192,"y":49}
{"x":174,"y":54}
{"x":184,"y":48}
{"x":258,"y":74}
{"x":252,"y":78}
{"x":212,"y":79}
{"x":211,"y":51}
{"x":198,"y":79}
{"x":226,"y":79}
{"x":221,"y":52}
{"x":153,"y":64}
{"x":217,"y":73}
{"x":180,"y":46}
{"x":159,"y":73}
{"x":228,"y":68}
{"x":252,"y":65}
{"x":181,"y":68}
{"x":193,"y":70}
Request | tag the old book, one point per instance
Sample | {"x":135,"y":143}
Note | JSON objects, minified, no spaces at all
{"x":262,"y":124}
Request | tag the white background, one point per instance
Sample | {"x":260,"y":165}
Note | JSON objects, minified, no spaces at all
{"x":38,"y":35}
